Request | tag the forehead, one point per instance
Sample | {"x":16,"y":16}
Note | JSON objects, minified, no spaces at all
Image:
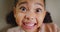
{"x":31,"y":1}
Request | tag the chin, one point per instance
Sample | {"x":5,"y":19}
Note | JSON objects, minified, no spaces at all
{"x":29,"y":29}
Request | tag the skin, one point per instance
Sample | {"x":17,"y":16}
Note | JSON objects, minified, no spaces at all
{"x":29,"y":12}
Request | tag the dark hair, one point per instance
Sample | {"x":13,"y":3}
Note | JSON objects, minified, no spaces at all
{"x":15,"y":2}
{"x":47,"y":18}
{"x":11,"y":20}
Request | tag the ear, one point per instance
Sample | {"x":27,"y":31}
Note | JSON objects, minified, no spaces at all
{"x":45,"y":12}
{"x":14,"y":11}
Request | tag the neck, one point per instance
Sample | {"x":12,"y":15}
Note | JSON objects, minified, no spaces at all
{"x":32,"y":31}
{"x":36,"y":30}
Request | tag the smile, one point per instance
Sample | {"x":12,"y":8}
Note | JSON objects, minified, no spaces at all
{"x":29,"y":25}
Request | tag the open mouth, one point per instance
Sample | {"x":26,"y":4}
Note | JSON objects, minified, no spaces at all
{"x":29,"y":25}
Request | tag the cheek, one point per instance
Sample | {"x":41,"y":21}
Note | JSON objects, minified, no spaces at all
{"x":19,"y":17}
{"x":40,"y":19}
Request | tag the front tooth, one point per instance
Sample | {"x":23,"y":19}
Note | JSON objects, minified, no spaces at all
{"x":29,"y":24}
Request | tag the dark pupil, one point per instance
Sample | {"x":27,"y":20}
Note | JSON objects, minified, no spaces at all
{"x":23,"y":9}
{"x":37,"y":10}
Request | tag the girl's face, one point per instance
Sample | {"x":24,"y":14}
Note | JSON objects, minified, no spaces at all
{"x":29,"y":14}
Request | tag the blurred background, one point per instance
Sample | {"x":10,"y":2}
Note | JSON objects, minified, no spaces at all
{"x":6,"y":6}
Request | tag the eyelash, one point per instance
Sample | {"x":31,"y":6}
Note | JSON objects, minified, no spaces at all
{"x":38,"y":10}
{"x":23,"y":9}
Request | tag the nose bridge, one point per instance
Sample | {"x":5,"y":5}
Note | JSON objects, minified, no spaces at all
{"x":30,"y":14}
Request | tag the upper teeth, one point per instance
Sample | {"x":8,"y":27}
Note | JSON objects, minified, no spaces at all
{"x":29,"y":24}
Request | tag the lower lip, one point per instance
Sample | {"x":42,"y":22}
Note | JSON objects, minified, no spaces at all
{"x":28,"y":27}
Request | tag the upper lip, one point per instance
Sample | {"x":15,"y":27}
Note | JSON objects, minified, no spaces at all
{"x":29,"y":23}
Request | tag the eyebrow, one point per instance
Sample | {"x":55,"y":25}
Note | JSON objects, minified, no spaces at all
{"x":27,"y":3}
{"x":39,"y":4}
{"x":22,"y":3}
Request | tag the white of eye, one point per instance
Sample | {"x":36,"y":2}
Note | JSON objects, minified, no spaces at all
{"x":23,"y":9}
{"x":38,"y":10}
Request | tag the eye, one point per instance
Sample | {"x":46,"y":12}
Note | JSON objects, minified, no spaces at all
{"x":38,"y":10}
{"x":23,"y":9}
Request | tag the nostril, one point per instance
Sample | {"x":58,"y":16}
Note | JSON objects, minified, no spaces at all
{"x":27,"y":18}
{"x":32,"y":18}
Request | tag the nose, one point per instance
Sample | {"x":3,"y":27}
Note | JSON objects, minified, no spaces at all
{"x":30,"y":16}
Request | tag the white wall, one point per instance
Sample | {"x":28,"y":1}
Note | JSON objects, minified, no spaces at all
{"x":53,"y":6}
